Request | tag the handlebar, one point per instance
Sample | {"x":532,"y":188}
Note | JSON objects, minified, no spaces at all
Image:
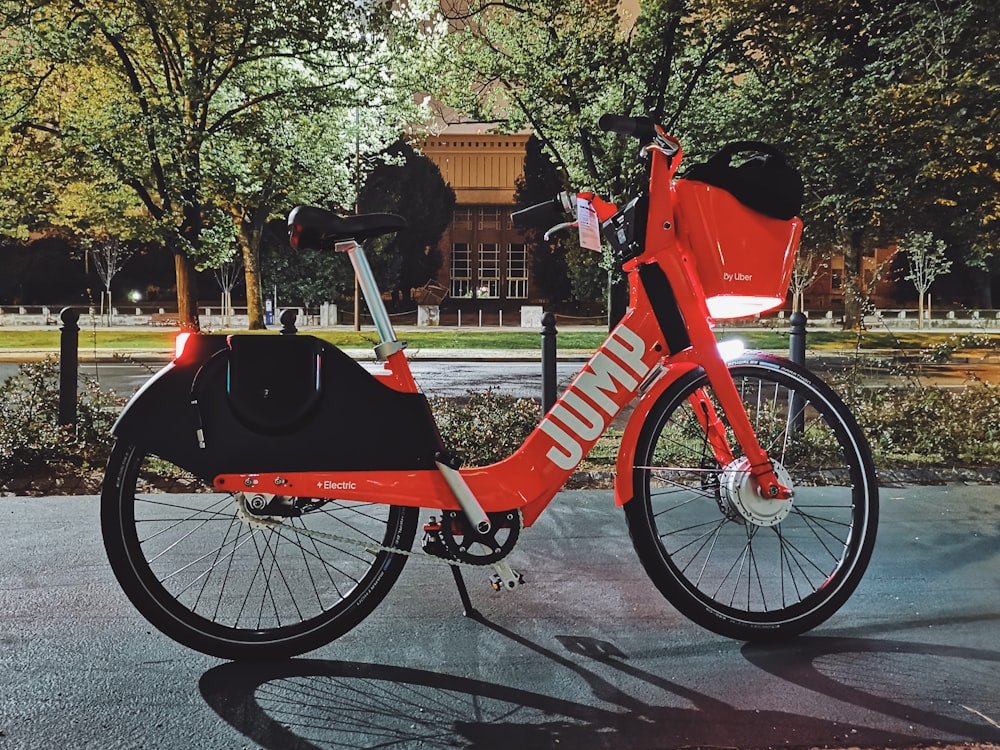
{"x":642,"y":128}
{"x":546,"y":213}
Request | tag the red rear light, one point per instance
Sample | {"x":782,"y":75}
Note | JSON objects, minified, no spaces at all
{"x":180,"y":342}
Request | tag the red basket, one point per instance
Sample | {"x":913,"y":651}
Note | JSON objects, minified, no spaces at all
{"x":743,"y":258}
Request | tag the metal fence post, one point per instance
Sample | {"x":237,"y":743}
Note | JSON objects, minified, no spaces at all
{"x":797,"y":337}
{"x":288,"y":318}
{"x":797,"y":353}
{"x":69,"y":337}
{"x":548,"y":361}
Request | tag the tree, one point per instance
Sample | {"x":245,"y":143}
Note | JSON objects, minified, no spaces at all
{"x":227,"y":276}
{"x":540,"y":182}
{"x":926,"y":261}
{"x":806,"y":269}
{"x":935,"y":89}
{"x":155,"y":83}
{"x":555,"y":66}
{"x":109,"y":255}
{"x":409,"y":184}
{"x":890,"y":110}
{"x":316,"y":149}
{"x":305,"y":277}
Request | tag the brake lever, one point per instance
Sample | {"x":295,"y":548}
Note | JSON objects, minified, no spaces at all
{"x":559,"y":228}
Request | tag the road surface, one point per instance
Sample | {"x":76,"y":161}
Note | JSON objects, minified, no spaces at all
{"x":585,"y":655}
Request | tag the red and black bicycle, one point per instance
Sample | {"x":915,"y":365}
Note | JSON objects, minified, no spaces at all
{"x":264,"y":491}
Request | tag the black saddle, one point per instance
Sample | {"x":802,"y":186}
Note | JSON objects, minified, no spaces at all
{"x":317,"y":228}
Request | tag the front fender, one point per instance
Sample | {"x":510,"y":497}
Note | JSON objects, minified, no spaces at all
{"x":675,"y":374}
{"x":625,"y":463}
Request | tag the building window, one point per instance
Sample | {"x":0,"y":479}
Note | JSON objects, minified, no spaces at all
{"x":462,"y":218}
{"x":517,"y":272}
{"x":489,"y":218}
{"x":461,"y":270}
{"x":489,"y":272}
{"x":836,"y":273}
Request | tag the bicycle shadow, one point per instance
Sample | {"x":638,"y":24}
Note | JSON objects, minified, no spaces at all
{"x":314,"y":703}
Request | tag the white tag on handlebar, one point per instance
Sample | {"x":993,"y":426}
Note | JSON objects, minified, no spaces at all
{"x":587,"y":221}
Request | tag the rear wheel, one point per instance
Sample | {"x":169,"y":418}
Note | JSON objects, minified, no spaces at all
{"x":241,"y":576}
{"x":743,"y":566}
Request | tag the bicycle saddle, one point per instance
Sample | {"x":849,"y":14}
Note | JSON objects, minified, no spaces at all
{"x":311,"y":227}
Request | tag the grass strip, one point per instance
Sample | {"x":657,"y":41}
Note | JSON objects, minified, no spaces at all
{"x":466,"y":338}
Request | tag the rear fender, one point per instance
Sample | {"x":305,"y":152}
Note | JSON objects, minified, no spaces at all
{"x":184,"y":415}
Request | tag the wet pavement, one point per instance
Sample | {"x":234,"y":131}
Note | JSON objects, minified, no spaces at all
{"x":587,"y":654}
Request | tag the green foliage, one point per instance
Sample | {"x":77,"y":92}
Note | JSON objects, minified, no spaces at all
{"x":925,"y":258}
{"x":541,"y":182}
{"x":944,"y":351}
{"x":30,"y":436}
{"x":304,"y":277}
{"x":411,"y":185}
{"x":485,"y":427}
{"x":890,"y":110}
{"x":556,"y":66}
{"x":943,"y":427}
{"x":163,"y":117}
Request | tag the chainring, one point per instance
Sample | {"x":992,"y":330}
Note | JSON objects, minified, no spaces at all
{"x":468,"y":545}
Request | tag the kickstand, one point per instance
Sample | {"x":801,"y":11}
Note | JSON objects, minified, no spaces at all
{"x":467,"y":609}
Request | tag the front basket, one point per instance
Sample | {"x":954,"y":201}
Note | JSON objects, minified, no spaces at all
{"x":743,"y":258}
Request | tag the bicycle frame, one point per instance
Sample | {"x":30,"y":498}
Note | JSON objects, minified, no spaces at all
{"x":666,"y":332}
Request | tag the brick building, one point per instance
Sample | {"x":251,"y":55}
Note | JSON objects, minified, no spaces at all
{"x":485,"y":260}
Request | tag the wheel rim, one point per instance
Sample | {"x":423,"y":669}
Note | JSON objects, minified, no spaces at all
{"x":215,"y":568}
{"x":730,"y":550}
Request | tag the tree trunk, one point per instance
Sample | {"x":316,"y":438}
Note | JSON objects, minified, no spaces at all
{"x":251,"y":271}
{"x":920,"y":310}
{"x":854,"y":291}
{"x":187,"y":293}
{"x":251,"y":230}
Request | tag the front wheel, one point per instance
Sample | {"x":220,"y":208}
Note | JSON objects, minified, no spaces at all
{"x":245,"y":576}
{"x":740,"y":565}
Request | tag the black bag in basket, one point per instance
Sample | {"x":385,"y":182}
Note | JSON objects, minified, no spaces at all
{"x":765,"y":182}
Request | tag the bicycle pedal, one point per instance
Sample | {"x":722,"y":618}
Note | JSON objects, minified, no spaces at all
{"x":505,"y":577}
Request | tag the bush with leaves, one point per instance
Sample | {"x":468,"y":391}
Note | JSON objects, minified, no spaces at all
{"x":930,"y":426}
{"x":484,"y":427}
{"x":31,"y":438}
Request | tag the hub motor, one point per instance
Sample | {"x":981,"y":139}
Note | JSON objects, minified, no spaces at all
{"x":740,"y":493}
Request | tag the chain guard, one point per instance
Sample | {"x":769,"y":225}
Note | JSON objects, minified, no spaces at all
{"x":467,"y":545}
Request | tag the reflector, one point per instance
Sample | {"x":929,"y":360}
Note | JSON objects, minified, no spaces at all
{"x":180,"y":342}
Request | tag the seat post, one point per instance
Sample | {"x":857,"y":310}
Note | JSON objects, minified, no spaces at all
{"x":373,"y":297}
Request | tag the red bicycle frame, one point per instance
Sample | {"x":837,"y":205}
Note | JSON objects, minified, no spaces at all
{"x":634,"y":360}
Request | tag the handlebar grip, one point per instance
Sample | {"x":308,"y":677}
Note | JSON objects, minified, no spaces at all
{"x":642,"y":128}
{"x":540,"y":215}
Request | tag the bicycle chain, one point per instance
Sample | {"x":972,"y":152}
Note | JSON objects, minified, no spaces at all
{"x":265,"y":522}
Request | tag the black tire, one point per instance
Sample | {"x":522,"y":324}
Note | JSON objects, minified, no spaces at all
{"x":729,"y":565}
{"x":216,"y":580}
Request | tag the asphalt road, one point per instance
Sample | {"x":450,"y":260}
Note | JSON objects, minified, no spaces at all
{"x":585,"y":655}
{"x":435,"y":377}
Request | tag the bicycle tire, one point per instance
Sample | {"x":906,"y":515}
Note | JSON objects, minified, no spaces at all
{"x":213,"y":577}
{"x":750,"y":570}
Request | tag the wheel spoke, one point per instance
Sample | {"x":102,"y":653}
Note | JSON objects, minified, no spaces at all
{"x":201,"y":567}
{"x":728,"y":558}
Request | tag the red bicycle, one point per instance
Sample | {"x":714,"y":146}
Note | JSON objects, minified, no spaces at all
{"x":263,"y":493}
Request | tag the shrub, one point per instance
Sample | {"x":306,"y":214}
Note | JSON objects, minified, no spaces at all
{"x":930,"y":426}
{"x":484,"y":427}
{"x":30,"y":435}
